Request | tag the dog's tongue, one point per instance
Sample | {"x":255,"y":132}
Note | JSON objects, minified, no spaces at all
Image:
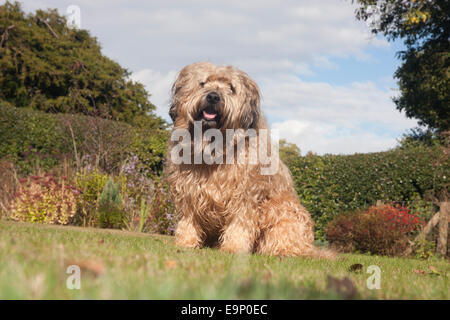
{"x":209,"y":116}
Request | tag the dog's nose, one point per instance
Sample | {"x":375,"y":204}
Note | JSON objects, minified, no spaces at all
{"x":213,"y":97}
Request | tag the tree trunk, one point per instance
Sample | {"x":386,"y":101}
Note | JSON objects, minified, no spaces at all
{"x":444,"y":213}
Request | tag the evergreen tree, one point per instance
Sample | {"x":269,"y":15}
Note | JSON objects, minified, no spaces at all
{"x":46,"y":65}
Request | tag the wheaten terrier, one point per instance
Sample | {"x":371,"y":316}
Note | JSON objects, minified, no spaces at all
{"x":233,"y":206}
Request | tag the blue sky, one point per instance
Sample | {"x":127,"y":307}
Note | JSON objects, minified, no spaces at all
{"x":326,"y":82}
{"x":379,"y":68}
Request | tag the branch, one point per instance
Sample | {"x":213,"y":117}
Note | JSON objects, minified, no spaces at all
{"x":49,"y":27}
{"x":425,"y":231}
{"x":5,"y":35}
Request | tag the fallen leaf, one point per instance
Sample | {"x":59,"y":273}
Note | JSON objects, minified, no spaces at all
{"x":93,"y":267}
{"x":419,"y":271}
{"x":343,"y":287}
{"x":434,"y":270}
{"x":267,"y":276}
{"x":170,"y":264}
{"x":101,"y":241}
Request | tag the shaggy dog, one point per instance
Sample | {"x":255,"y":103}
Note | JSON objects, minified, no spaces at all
{"x":232,"y":206}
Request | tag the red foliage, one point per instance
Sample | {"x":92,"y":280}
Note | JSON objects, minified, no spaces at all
{"x":381,"y":230}
{"x":399,"y":217}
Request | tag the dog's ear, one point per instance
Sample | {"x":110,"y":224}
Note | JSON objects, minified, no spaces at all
{"x":251,"y":102}
{"x":173,"y":111}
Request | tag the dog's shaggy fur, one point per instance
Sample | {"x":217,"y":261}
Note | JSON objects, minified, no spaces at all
{"x":232,"y":206}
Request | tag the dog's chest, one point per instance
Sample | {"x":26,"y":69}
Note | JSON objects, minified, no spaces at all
{"x":214,"y":191}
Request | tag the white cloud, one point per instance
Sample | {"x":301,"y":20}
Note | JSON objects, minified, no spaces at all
{"x":168,"y":35}
{"x":333,"y":119}
{"x":275,"y":42}
{"x":160,"y":85}
{"x":323,"y":138}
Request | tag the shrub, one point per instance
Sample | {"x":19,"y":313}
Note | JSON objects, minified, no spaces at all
{"x":333,"y":184}
{"x":45,"y":199}
{"x":110,"y":212}
{"x":383,"y":230}
{"x":8,"y":185}
{"x":34,"y":139}
{"x":147,"y":200}
{"x":91,"y":184}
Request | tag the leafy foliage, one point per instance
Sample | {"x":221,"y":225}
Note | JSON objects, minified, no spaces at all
{"x":91,"y":183}
{"x":383,"y":230}
{"x":45,"y":199}
{"x":33,"y":138}
{"x":332,"y":184}
{"x":289,"y":152}
{"x":45,"y":65}
{"x":424,"y":76}
{"x":110,"y":210}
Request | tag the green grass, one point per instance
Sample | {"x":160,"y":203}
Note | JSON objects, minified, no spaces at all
{"x":123,"y":265}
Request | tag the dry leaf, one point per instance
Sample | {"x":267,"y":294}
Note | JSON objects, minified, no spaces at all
{"x":434,"y":270}
{"x":419,"y":271}
{"x":170,"y":264}
{"x":93,"y":267}
{"x":101,"y":241}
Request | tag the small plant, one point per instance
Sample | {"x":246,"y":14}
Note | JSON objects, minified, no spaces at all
{"x":383,"y":230}
{"x":8,"y":185}
{"x":91,"y":184}
{"x":145,"y":211}
{"x":146,"y":199}
{"x":45,"y":199}
{"x":110,"y":212}
{"x":424,"y":249}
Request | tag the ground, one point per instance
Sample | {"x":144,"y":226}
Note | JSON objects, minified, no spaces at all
{"x":122,"y":265}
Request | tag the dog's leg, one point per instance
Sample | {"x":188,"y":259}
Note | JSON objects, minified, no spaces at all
{"x":239,"y":235}
{"x":186,"y":235}
{"x":288,"y":229}
{"x":286,"y":238}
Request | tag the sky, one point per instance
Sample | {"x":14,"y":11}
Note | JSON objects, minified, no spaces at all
{"x":326,"y":82}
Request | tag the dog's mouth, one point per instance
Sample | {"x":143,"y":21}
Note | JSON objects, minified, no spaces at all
{"x":209,"y":115}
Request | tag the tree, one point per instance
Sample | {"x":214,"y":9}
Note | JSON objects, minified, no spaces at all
{"x":424,"y":76}
{"x":289,"y":152}
{"x":46,"y":65}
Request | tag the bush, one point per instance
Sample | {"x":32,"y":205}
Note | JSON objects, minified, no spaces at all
{"x":91,"y":184}
{"x":110,"y":212}
{"x":383,"y":230}
{"x":146,"y":200}
{"x":33,"y":139}
{"x":332,"y":184}
{"x":45,"y":199}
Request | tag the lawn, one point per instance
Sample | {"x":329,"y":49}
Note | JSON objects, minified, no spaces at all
{"x":123,"y":265}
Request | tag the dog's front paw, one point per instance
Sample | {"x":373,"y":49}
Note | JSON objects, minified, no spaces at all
{"x":236,"y":246}
{"x":187,"y":241}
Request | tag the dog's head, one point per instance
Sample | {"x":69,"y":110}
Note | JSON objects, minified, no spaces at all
{"x":219,"y":97}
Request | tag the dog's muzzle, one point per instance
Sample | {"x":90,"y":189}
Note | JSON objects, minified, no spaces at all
{"x":209,"y":112}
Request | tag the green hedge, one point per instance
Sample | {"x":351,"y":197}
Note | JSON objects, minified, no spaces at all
{"x":29,"y":138}
{"x":332,"y":184}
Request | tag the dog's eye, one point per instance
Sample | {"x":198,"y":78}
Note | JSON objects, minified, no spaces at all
{"x":202,"y":84}
{"x":232,"y":88}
